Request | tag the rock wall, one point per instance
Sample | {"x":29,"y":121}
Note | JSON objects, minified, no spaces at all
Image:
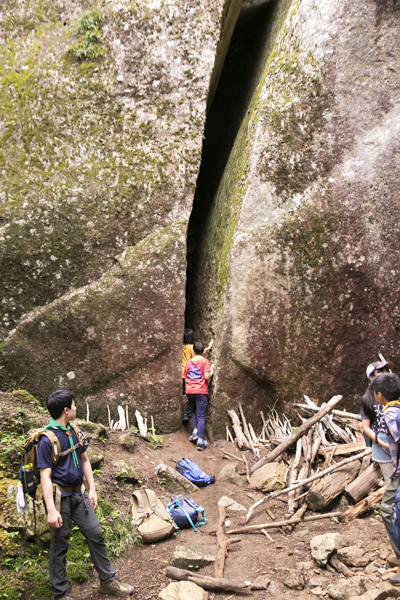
{"x":297,"y":275}
{"x":293,"y":272}
{"x":102,"y":111}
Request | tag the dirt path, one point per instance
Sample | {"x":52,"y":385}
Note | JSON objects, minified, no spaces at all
{"x":144,"y":566}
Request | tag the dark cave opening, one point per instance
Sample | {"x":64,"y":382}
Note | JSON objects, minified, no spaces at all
{"x":240,"y":75}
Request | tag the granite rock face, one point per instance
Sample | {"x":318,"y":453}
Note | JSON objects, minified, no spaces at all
{"x":102,"y":112}
{"x":297,"y":265}
{"x":114,"y":340}
{"x":294,"y":272}
{"x":97,"y":152}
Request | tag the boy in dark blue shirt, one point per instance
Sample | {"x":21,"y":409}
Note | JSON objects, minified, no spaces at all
{"x":65,"y":499}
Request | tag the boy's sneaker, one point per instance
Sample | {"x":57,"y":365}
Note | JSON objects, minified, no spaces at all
{"x":185,"y":419}
{"x":116,"y":588}
{"x":193,"y":437}
{"x":202,"y":445}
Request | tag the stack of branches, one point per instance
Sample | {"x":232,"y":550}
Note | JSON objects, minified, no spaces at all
{"x":246,"y":438}
{"x":315,"y":484}
{"x":338,"y":427}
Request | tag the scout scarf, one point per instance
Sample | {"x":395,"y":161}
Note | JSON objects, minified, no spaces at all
{"x":55,"y":424}
{"x":392,"y":403}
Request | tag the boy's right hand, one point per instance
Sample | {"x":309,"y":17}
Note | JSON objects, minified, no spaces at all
{"x":54,"y":519}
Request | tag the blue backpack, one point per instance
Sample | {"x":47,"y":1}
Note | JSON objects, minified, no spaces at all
{"x":395,"y":519}
{"x":185,"y":512}
{"x":191,"y":470}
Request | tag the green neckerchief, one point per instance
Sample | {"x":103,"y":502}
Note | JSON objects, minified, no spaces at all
{"x":392,"y":403}
{"x":55,"y":424}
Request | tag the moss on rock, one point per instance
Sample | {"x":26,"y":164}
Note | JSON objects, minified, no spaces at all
{"x":116,"y":339}
{"x":97,"y":153}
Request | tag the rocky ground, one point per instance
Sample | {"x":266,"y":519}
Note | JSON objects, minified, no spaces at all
{"x":282,"y":564}
{"x":283,"y":559}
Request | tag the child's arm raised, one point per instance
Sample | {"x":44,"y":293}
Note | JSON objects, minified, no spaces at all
{"x":210,"y":345}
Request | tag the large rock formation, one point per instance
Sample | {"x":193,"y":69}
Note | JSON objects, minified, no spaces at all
{"x":102,"y":112}
{"x":293,"y":236}
{"x":296,"y":267}
{"x":110,"y":341}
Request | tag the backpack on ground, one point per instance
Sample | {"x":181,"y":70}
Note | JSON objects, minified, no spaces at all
{"x":191,"y":470}
{"x":150,"y":517}
{"x":185,"y":512}
{"x":29,"y":472}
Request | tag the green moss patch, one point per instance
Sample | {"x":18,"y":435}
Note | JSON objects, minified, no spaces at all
{"x":89,"y":34}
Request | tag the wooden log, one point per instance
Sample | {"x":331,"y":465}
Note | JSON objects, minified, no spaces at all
{"x":276,"y":440}
{"x":364,"y":483}
{"x":270,"y":513}
{"x":232,"y":455}
{"x":309,"y":480}
{"x":253,"y":435}
{"x":366,"y":461}
{"x":247,"y":433}
{"x":343,"y":449}
{"x":327,"y":421}
{"x":292,"y":504}
{"x":341,"y":413}
{"x":247,"y":468}
{"x":340,"y":567}
{"x":316,"y":444}
{"x":271,"y":539}
{"x":264,"y":429}
{"x":241,"y":440}
{"x":297,"y":434}
{"x":307,"y":464}
{"x":233,"y":540}
{"x":221,"y":544}
{"x":298,"y":515}
{"x":330,"y":487}
{"x":280,"y":524}
{"x":363,"y":506}
{"x":209,"y":583}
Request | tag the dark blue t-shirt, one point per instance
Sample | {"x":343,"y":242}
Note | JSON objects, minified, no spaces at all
{"x":64,"y":473}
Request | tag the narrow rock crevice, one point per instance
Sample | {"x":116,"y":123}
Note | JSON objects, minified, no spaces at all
{"x":245,"y":60}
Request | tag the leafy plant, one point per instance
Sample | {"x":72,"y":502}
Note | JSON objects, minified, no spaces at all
{"x":117,"y":530}
{"x":88,"y":31}
{"x":154,"y":439}
{"x":12,"y":448}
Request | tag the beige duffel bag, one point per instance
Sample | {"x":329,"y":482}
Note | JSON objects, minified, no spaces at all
{"x":150,"y":517}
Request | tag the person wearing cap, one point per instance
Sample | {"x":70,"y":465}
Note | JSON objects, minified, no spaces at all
{"x":373,"y":423}
{"x":386,"y":388}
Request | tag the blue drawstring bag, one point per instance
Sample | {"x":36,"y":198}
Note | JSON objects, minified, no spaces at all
{"x":185,"y":512}
{"x":191,"y":470}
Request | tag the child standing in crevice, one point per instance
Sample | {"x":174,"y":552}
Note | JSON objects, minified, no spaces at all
{"x":197,"y":373}
{"x":188,"y":353}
